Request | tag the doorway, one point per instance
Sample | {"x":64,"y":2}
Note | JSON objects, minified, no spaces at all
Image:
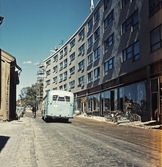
{"x":154,"y":97}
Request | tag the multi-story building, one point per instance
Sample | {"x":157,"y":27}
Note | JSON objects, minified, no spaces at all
{"x":113,"y":59}
{"x":9,"y":79}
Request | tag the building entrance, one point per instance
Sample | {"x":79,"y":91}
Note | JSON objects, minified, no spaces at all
{"x":156,"y":98}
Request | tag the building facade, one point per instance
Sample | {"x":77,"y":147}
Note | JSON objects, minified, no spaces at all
{"x":9,"y":78}
{"x":113,"y":59}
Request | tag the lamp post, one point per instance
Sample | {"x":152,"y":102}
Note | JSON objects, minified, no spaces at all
{"x":1,"y":19}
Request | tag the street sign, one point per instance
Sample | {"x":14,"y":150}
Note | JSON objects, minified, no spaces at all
{"x":83,"y":100}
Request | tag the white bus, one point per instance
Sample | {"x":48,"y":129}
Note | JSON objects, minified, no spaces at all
{"x":58,"y":104}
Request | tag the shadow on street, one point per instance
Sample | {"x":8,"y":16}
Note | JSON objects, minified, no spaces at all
{"x":3,"y":141}
{"x":57,"y":121}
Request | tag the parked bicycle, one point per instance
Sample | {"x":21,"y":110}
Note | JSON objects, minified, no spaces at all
{"x":115,"y":116}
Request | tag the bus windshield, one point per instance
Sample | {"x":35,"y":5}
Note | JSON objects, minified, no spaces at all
{"x":55,"y":97}
{"x":61,"y":99}
{"x":67,"y":98}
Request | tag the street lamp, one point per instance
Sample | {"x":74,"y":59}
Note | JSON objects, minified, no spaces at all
{"x":1,"y":19}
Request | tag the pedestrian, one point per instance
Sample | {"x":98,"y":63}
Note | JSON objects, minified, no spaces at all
{"x":34,"y":111}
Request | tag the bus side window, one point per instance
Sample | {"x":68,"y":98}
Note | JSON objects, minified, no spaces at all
{"x":61,"y":99}
{"x":55,"y":97}
{"x":67,"y":98}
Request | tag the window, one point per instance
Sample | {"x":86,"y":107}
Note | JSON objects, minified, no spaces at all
{"x":72,"y":43}
{"x":48,"y":72}
{"x":97,"y":53}
{"x":90,"y":77}
{"x":81,"y":50}
{"x":67,"y":98}
{"x":131,"y":51}
{"x":156,"y":38}
{"x":65,"y":63}
{"x":60,"y":88}
{"x":155,"y":5}
{"x":124,"y":2}
{"x":108,"y":42}
{"x":48,"y":62}
{"x":90,"y":41}
{"x":65,"y":75}
{"x":81,"y":65}
{"x":48,"y":82}
{"x":61,"y":65}
{"x":97,"y":73}
{"x":65,"y":51}
{"x":55,"y":79}
{"x":81,"y":80}
{"x":81,"y":34}
{"x":97,"y":34}
{"x":55,"y":97}
{"x":97,"y":15}
{"x":55,"y":69}
{"x":61,"y":77}
{"x":90,"y":24}
{"x":106,"y":4}
{"x":131,"y":23}
{"x":108,"y":20}
{"x":55,"y":58}
{"x":61,"y":98}
{"x":72,"y":70}
{"x":65,"y":87}
{"x":72,"y":57}
{"x":72,"y":84}
{"x":61,"y":54}
{"x":108,"y":66}
{"x":90,"y":59}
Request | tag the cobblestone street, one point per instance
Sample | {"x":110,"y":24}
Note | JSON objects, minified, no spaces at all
{"x":34,"y":143}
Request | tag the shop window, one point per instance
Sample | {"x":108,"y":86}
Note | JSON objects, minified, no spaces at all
{"x":135,"y":97}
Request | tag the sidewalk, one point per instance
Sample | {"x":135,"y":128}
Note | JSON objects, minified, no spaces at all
{"x":18,"y":144}
{"x":145,"y":125}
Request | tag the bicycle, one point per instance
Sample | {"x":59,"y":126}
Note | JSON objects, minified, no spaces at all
{"x":112,"y":116}
{"x":131,"y":117}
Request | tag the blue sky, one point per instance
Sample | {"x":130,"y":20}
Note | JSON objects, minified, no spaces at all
{"x":31,"y":28}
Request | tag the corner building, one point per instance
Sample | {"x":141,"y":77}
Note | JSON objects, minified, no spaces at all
{"x":113,"y":59}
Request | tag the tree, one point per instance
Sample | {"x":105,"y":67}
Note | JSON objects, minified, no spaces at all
{"x":29,"y":95}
